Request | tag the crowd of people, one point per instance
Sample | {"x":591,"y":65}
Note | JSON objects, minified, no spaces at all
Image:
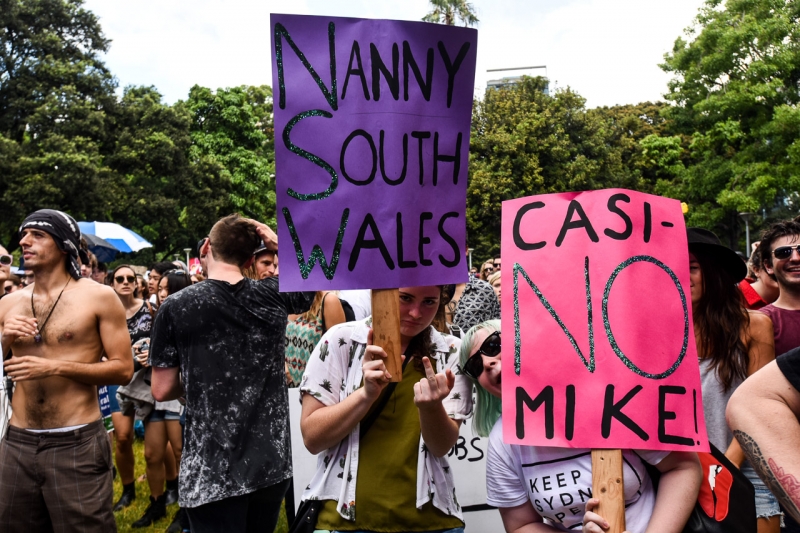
{"x":204,"y":360}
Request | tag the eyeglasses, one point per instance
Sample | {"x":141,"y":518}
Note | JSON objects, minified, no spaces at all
{"x":120,"y":279}
{"x":490,"y":348}
{"x":785,"y":252}
{"x":6,"y":260}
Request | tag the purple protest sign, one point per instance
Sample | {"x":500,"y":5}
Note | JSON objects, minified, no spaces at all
{"x":372,"y":123}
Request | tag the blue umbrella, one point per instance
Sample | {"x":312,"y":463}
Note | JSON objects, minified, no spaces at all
{"x":102,"y":249}
{"x":121,"y":238}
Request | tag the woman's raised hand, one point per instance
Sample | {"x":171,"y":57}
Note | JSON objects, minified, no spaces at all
{"x":433,"y":388}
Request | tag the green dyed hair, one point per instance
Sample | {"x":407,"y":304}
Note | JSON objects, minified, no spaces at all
{"x":488,"y":408}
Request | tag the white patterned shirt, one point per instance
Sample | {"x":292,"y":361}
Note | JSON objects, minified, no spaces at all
{"x":333,"y":373}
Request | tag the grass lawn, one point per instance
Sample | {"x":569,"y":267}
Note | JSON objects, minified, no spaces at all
{"x":130,"y":514}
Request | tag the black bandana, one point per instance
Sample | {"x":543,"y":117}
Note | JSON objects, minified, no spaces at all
{"x":65,"y":232}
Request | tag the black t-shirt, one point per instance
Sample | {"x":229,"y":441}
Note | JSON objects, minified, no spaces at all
{"x":228,"y":341}
{"x":789,"y":363}
{"x":139,"y":325}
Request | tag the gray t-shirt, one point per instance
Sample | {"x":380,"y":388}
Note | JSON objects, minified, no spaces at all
{"x":715,"y":400}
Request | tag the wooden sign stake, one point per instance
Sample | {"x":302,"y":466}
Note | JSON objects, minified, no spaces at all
{"x":386,"y":328}
{"x":608,"y":487}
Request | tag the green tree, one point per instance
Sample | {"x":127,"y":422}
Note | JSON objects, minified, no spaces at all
{"x":49,"y":51}
{"x":55,"y":96}
{"x":525,"y":142}
{"x":735,"y":94}
{"x":172,"y":193}
{"x":451,"y":11}
{"x":234,"y":128}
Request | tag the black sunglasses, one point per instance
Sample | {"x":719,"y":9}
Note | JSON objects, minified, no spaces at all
{"x":490,"y":348}
{"x":6,"y":260}
{"x":120,"y":279}
{"x":785,"y":252}
{"x":200,"y":244}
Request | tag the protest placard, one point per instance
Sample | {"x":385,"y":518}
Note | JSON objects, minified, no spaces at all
{"x":372,"y":122}
{"x":600,"y":350}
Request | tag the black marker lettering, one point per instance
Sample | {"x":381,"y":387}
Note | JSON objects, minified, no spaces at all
{"x":423,"y":240}
{"x":419,"y":135}
{"x":402,"y":177}
{"x":400,"y":261}
{"x":449,"y":263}
{"x":477,"y":449}
{"x":355,"y":53}
{"x":614,"y":410}
{"x":452,"y":67}
{"x":664,"y":415}
{"x":519,"y":242}
{"x":582,"y":222}
{"x":455,"y":159}
{"x":375,"y":242}
{"x":544,"y":397}
{"x":612,"y":206}
{"x":330,"y":95}
{"x":378,"y":67}
{"x":373,"y":171}
{"x":409,"y":61}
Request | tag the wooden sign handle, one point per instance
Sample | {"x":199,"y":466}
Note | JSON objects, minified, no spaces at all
{"x":608,"y":487}
{"x":386,"y":328}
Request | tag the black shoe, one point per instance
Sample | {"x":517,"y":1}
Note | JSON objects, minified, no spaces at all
{"x":172,"y":496}
{"x":155,"y":511}
{"x":175,"y":526}
{"x":128,"y":495}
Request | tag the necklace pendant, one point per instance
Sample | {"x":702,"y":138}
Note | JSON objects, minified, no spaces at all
{"x":37,"y":338}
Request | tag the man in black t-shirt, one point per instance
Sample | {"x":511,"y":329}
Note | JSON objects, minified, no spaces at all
{"x":763,"y":414}
{"x":225,"y":339}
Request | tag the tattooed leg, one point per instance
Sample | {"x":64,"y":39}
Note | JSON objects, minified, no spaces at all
{"x":783,"y":485}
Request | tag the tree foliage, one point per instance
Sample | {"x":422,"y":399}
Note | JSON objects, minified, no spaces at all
{"x":234,"y":128}
{"x":451,"y":11}
{"x":67,"y":141}
{"x":735,"y":95}
{"x":526,"y":142}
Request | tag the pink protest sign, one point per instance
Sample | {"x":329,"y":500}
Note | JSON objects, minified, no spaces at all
{"x":598,"y":341}
{"x":372,"y":124}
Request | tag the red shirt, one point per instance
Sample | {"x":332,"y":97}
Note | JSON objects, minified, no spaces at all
{"x":752,"y":299}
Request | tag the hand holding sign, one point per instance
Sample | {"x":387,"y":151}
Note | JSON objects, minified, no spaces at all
{"x":376,"y":376}
{"x":603,"y":343}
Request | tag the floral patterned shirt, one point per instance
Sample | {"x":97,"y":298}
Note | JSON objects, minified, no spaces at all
{"x":333,"y":373}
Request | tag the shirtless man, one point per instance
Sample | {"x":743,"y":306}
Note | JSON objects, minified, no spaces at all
{"x":55,"y":461}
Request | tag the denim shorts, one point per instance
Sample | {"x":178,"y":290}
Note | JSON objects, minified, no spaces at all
{"x":161,"y":415}
{"x":766,"y":504}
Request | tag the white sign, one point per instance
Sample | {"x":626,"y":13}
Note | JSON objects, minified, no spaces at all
{"x":467,"y":459}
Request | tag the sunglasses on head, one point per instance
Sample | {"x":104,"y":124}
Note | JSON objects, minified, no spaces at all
{"x":785,"y":252}
{"x":490,"y":348}
{"x":6,"y":260}
{"x":120,"y":279}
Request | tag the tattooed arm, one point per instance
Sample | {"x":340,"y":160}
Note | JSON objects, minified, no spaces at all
{"x":763,"y":414}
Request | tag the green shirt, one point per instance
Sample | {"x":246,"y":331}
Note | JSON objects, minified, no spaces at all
{"x":386,"y":487}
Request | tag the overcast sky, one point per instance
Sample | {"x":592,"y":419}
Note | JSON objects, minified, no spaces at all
{"x":606,"y":50}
